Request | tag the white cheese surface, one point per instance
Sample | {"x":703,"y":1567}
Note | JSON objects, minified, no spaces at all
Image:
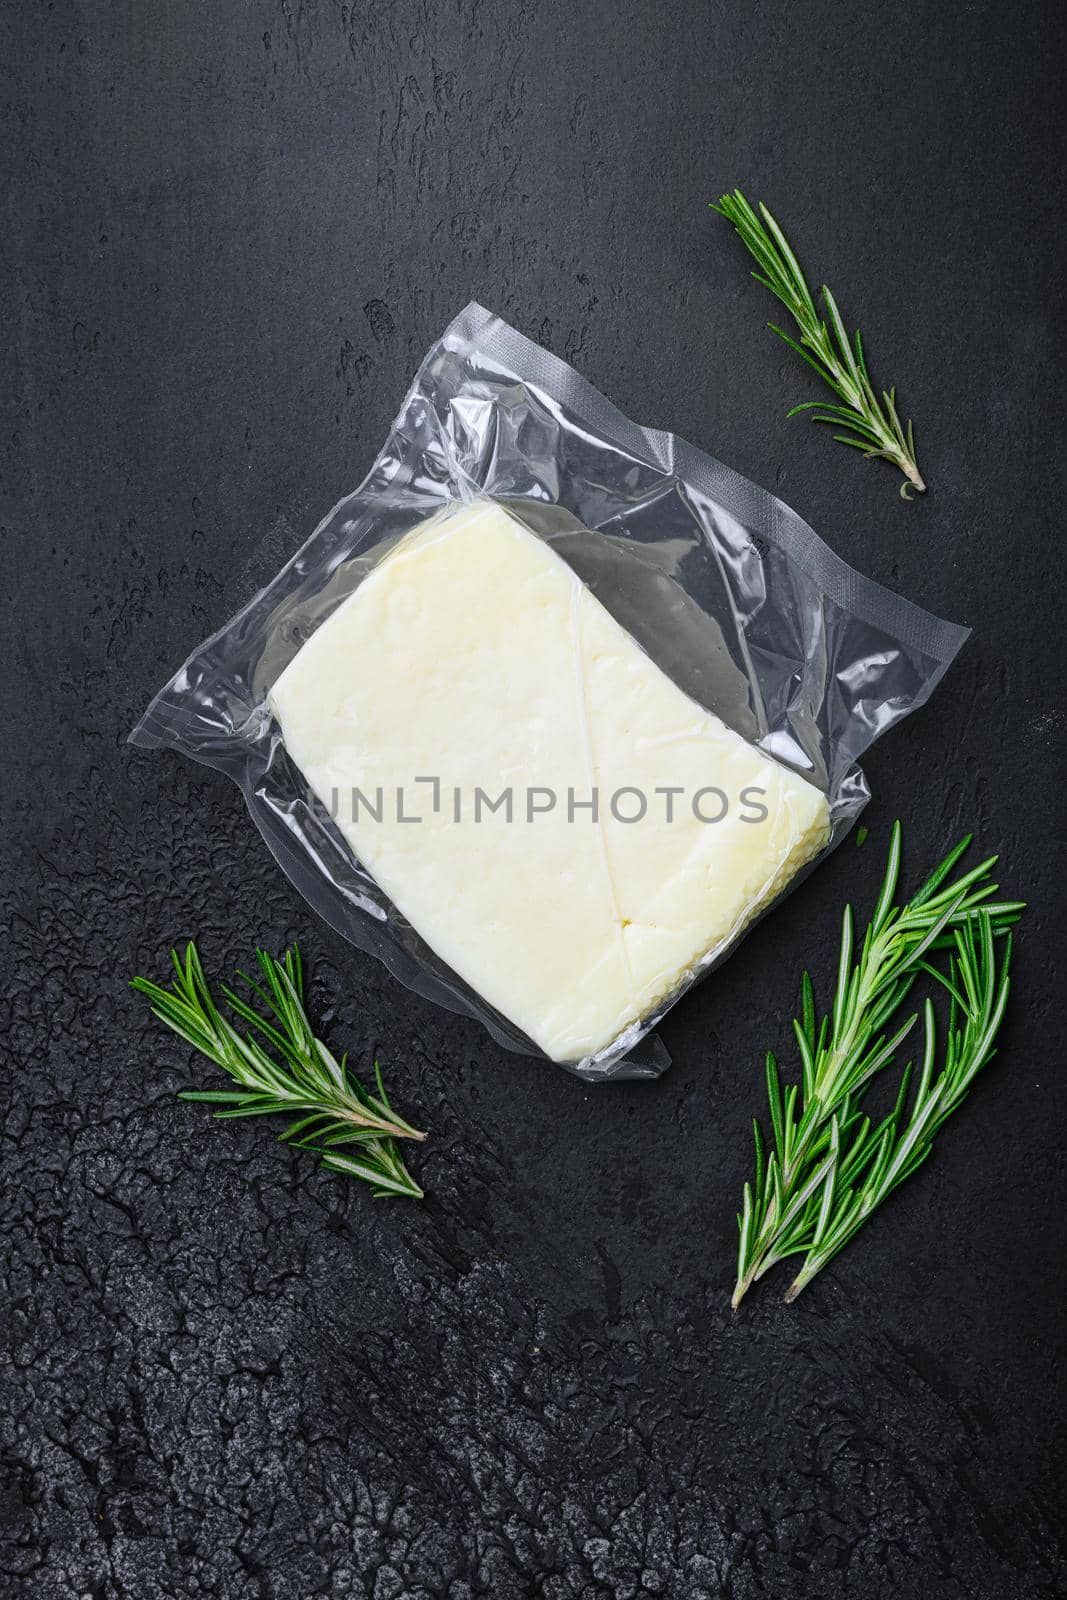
{"x":472,"y":654}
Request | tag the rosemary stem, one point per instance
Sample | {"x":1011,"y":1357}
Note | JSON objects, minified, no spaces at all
{"x":395,"y":1128}
{"x":798,"y":1285}
{"x":741,"y":1289}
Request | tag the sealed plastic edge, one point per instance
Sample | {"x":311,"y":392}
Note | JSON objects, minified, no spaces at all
{"x":757,"y":508}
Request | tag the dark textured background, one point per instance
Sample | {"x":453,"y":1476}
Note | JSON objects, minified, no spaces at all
{"x":229,"y":232}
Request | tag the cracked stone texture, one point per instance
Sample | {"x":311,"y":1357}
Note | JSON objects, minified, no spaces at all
{"x":229,"y":233}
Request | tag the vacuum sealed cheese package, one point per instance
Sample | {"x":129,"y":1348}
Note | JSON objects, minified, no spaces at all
{"x":553,"y":707}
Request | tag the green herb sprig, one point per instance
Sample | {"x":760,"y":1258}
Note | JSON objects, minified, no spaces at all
{"x":872,"y":422}
{"x":301,"y":1079}
{"x":829,"y":1166}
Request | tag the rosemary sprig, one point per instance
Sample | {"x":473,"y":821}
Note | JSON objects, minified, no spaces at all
{"x":301,"y":1079}
{"x":865,"y":1172}
{"x":829,"y":1168}
{"x":873,"y":423}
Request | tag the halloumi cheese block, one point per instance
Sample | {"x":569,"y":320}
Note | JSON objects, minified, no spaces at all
{"x":472,"y":663}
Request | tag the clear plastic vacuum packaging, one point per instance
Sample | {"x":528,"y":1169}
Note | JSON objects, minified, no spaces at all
{"x":548,"y":711}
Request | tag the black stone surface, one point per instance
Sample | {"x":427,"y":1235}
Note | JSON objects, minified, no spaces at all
{"x":230,"y":231}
